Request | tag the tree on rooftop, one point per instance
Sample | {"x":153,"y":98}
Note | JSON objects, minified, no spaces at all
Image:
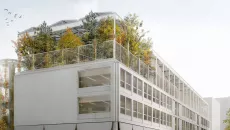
{"x":139,"y":45}
{"x":89,"y":24}
{"x":227,"y":120}
{"x":69,"y":40}
{"x":43,"y":39}
{"x":105,"y":31}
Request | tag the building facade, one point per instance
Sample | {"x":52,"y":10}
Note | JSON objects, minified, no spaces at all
{"x":106,"y":88}
{"x":107,"y":94}
{"x":7,"y":71}
{"x":214,"y":113}
{"x":224,"y":107}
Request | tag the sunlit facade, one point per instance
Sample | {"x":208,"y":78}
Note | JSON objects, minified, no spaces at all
{"x":105,"y":88}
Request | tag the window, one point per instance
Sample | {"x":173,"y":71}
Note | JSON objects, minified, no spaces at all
{"x":150,"y":114}
{"x":122,"y":79}
{"x":140,"y":110}
{"x":128,"y":81}
{"x":157,"y":116}
{"x":172,"y":89}
{"x":122,"y":104}
{"x":125,"y":105}
{"x":169,"y":103}
{"x":149,"y":92}
{"x":163,"y":100}
{"x":134,"y":84}
{"x":94,"y":77}
{"x":162,"y":118}
{"x":145,"y":90}
{"x":125,"y":79}
{"x":156,"y":95}
{"x":140,"y":87}
{"x":134,"y":108}
{"x":145,"y":112}
{"x":169,"y":120}
{"x":95,"y":104}
{"x":128,"y":106}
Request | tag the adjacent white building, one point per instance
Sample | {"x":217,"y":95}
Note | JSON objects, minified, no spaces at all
{"x":224,"y":107}
{"x":214,"y":113}
{"x":105,"y":88}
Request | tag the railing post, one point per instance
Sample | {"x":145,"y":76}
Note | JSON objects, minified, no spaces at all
{"x":148,"y":72}
{"x":139,"y":66}
{"x":78,"y":55}
{"x":114,"y":35}
{"x":128,"y":55}
{"x":62,"y":57}
{"x":33,"y":61}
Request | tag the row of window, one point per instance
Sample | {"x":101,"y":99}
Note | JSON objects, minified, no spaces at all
{"x":143,"y":111}
{"x":188,"y":113}
{"x":189,"y":126}
{"x":204,"y":122}
{"x":143,"y":89}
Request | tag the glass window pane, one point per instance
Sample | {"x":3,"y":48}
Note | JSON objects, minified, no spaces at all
{"x":95,"y":104}
{"x":122,"y":104}
{"x":145,"y":112}
{"x":128,"y":81}
{"x":139,"y":87}
{"x":149,"y":92}
{"x":128,"y":106}
{"x":122,"y":78}
{"x":135,"y":109}
{"x":149,"y":113}
{"x":145,"y":90}
{"x":134,"y":84}
{"x":140,"y":110}
{"x":94,"y":77}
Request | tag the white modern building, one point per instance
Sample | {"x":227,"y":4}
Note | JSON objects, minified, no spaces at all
{"x":224,"y":107}
{"x":214,"y":113}
{"x":106,"y":88}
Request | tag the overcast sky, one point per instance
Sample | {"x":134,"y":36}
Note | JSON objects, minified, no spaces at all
{"x":193,"y":36}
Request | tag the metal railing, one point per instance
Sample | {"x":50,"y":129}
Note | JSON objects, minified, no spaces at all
{"x":86,"y":53}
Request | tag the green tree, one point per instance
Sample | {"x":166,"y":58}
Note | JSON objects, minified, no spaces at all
{"x":90,"y":25}
{"x":69,"y":40}
{"x":227,"y":120}
{"x":139,"y":45}
{"x":43,"y":39}
{"x":105,"y":31}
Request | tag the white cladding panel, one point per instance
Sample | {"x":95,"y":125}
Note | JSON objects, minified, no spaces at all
{"x":95,"y":126}
{"x":61,"y":127}
{"x":28,"y":127}
{"x":47,"y":97}
{"x":124,"y":126}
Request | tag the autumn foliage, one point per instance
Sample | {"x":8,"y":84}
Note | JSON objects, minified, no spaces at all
{"x":69,"y":40}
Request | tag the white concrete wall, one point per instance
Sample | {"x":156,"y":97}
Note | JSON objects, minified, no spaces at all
{"x":49,"y":96}
{"x":214,"y":113}
{"x":224,"y":106}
